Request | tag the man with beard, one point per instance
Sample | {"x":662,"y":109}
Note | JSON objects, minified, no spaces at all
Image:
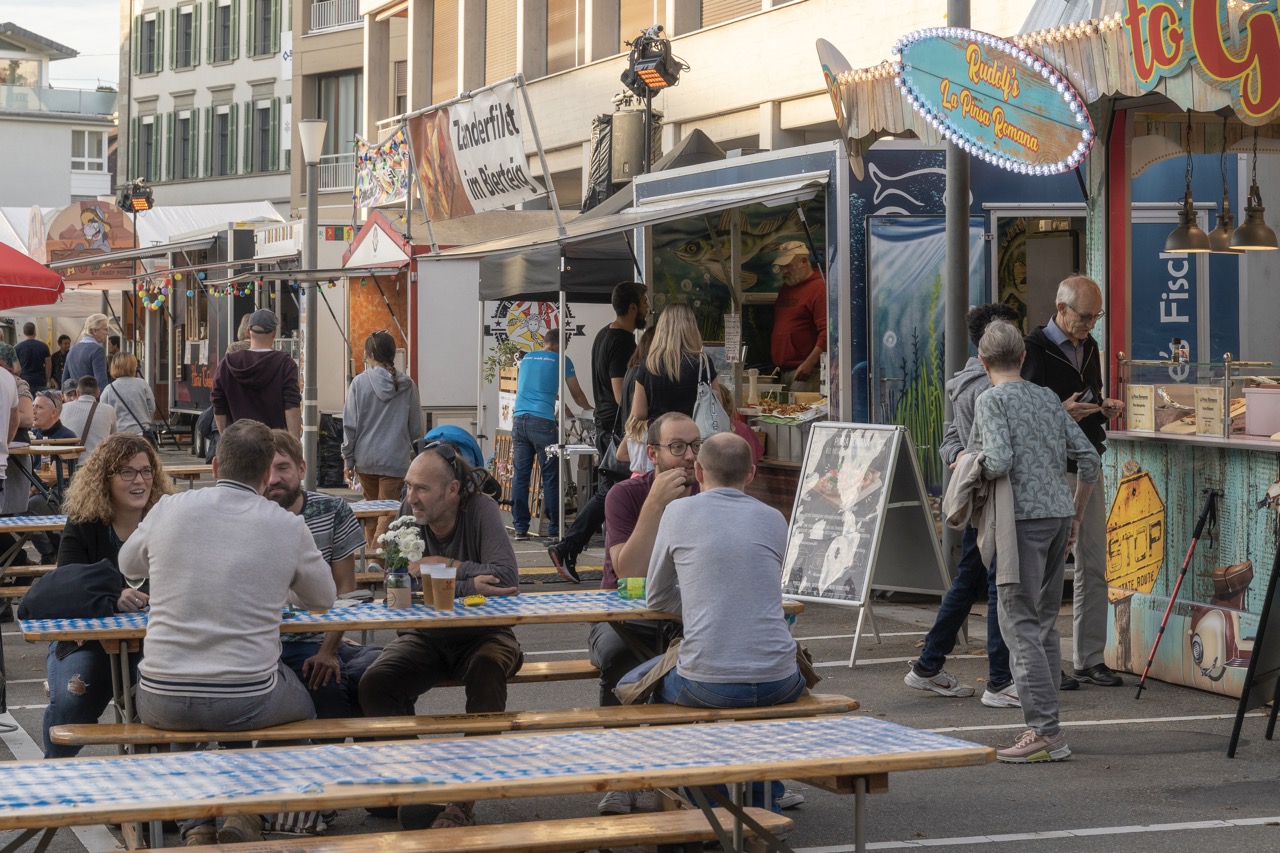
{"x":799,"y":318}
{"x":329,"y":668}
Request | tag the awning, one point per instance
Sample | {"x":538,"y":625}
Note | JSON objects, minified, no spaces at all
{"x":157,"y":251}
{"x":309,"y":275}
{"x":24,"y":282}
{"x":602,"y":237}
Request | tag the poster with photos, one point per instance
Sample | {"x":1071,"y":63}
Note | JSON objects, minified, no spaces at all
{"x":840,"y":503}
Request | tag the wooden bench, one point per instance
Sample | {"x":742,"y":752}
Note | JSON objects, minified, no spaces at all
{"x":14,"y":591}
{"x":622,"y":716}
{"x":673,"y":830}
{"x":37,"y":571}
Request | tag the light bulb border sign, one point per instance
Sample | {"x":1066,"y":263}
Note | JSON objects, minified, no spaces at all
{"x":998,"y":102}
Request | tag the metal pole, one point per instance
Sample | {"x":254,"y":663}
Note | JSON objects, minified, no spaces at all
{"x":957,"y":268}
{"x":560,"y":466}
{"x":310,"y":393}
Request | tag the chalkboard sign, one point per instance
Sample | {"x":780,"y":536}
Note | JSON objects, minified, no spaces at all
{"x":1262,"y":679}
{"x":861,"y":520}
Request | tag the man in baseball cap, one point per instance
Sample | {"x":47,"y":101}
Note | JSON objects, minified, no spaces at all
{"x":799,"y":318}
{"x":259,"y":383}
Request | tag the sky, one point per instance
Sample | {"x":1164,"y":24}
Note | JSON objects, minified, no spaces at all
{"x":90,"y":27}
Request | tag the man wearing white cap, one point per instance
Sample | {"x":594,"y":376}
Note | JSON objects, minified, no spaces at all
{"x":260,"y":383}
{"x":799,"y":318}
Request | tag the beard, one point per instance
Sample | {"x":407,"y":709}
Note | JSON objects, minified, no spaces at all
{"x":284,"y":496}
{"x":641,"y":322}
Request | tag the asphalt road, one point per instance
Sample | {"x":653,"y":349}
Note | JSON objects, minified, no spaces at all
{"x":1148,"y":775}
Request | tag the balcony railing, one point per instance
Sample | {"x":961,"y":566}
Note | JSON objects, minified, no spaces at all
{"x":336,"y":172}
{"x":328,"y":14}
{"x":41,"y":100}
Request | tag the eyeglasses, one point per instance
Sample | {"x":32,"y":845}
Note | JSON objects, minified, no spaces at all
{"x":447,"y":452}
{"x":678,"y":447}
{"x":52,"y":396}
{"x":130,"y":475}
{"x":1086,"y":318}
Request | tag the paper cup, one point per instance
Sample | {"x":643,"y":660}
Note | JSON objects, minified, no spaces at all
{"x":444,"y":581}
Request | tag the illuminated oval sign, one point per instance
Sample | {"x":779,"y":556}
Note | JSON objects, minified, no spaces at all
{"x":998,"y":102}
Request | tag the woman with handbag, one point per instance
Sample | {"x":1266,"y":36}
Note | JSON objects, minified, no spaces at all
{"x":380,"y":422}
{"x":669,"y":376}
{"x":106,"y":501}
{"x":131,"y":397}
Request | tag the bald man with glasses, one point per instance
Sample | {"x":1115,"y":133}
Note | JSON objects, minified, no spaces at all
{"x":1063,"y":356}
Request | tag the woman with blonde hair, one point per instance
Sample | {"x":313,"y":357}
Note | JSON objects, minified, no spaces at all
{"x":668,"y":378}
{"x":131,"y":397}
{"x":88,"y":357}
{"x":106,"y":501}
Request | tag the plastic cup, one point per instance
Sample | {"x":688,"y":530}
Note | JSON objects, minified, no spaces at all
{"x":444,"y":582}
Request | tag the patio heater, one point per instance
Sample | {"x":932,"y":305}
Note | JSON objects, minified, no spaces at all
{"x":311,"y":133}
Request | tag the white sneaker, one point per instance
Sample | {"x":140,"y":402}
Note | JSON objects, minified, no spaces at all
{"x":790,"y":799}
{"x":1006,"y":698}
{"x":943,"y":683}
{"x":617,"y":802}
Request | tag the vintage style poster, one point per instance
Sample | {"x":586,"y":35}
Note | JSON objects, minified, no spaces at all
{"x":382,"y":170}
{"x":87,"y":228}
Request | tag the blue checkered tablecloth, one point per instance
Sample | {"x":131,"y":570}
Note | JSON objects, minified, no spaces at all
{"x":513,"y":607}
{"x":20,"y":521}
{"x":226,"y":776}
{"x":374,"y":506}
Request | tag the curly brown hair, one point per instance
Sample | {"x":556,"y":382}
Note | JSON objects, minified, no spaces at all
{"x":89,"y":495}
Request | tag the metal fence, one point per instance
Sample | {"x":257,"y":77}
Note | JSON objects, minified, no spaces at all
{"x":327,"y":14}
{"x":336,"y":172}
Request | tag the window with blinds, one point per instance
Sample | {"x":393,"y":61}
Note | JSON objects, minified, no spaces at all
{"x":719,"y":11}
{"x":634,"y":16}
{"x":500,"y":40}
{"x":566,"y":43}
{"x":402,"y":87}
{"x":444,"y":51}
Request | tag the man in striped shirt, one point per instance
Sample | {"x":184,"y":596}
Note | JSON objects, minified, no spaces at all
{"x":329,"y":668}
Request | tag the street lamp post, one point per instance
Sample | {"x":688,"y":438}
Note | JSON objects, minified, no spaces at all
{"x":311,"y":133}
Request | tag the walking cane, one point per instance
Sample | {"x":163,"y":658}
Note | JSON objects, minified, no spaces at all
{"x":1208,"y":514}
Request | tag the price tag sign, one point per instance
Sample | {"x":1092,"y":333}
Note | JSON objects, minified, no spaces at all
{"x":732,"y":338}
{"x":1209,"y":410}
{"x":1140,"y":408}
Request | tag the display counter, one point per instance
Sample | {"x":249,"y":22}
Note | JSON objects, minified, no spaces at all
{"x":1156,"y":483}
{"x":776,"y":483}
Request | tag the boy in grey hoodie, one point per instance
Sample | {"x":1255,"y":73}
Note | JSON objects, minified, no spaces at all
{"x":973,"y":581}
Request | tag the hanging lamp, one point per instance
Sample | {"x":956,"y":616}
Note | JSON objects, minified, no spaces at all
{"x":1188,"y":236}
{"x":1254,"y":234}
{"x":1220,"y":236}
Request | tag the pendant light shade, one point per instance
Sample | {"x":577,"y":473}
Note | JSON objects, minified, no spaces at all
{"x":1220,"y":236}
{"x":1188,"y":236}
{"x":1254,"y":234}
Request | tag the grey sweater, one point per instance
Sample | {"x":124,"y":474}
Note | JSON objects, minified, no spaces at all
{"x":130,"y":396}
{"x":717,"y":561}
{"x":380,"y":422}
{"x":223,"y":561}
{"x":1022,"y":430}
{"x":963,"y":389}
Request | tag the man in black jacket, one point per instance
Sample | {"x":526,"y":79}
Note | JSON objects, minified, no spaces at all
{"x":1063,"y":356}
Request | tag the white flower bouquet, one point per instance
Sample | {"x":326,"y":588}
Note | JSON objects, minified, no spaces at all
{"x":401,"y":544}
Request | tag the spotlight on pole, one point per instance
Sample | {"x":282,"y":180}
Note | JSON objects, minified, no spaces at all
{"x":135,"y":196}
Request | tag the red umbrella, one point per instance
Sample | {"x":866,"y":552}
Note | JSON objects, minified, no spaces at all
{"x":26,"y":282}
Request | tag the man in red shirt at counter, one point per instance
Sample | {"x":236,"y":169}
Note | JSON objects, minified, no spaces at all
{"x":799,"y":318}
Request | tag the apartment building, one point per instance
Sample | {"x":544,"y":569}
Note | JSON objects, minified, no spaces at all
{"x":205,"y":99}
{"x":56,"y":140}
{"x":753,"y":80}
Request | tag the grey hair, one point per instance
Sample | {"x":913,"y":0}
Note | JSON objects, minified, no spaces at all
{"x":1071,"y":287}
{"x":1001,"y":347}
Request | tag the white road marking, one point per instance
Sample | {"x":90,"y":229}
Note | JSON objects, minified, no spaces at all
{"x":1018,"y":837}
{"x":1119,"y":721}
{"x":96,"y":839}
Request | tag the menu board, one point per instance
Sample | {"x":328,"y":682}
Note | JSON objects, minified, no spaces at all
{"x":1209,"y":409}
{"x":1140,"y":408}
{"x":861,"y":518}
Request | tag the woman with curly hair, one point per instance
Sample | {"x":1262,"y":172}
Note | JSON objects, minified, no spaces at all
{"x":106,"y":501}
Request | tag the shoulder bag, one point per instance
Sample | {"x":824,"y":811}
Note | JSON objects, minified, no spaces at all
{"x":147,"y":432}
{"x":708,"y":414}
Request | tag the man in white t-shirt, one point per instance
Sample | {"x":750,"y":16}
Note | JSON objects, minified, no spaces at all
{"x":89,"y":418}
{"x":9,"y":413}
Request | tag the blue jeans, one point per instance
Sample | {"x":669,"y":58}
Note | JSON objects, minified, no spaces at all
{"x":335,"y":700}
{"x":530,"y":436}
{"x":678,"y":690}
{"x":973,"y":583}
{"x":79,"y":690}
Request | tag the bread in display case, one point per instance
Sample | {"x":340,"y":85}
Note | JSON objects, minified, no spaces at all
{"x":1222,"y":399}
